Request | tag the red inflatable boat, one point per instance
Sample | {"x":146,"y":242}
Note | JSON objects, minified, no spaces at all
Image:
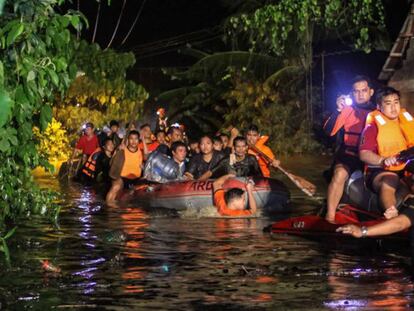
{"x":316,"y":226}
{"x":272,"y":196}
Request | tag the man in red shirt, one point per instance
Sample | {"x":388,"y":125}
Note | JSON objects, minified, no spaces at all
{"x":88,"y":142}
{"x":389,"y":131}
{"x":233,"y":202}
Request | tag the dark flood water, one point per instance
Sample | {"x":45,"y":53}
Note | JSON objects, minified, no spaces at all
{"x":193,"y":263}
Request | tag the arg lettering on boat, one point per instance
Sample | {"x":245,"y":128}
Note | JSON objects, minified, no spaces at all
{"x":298,"y":224}
{"x":202,"y":185}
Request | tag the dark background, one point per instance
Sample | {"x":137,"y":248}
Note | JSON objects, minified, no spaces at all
{"x":166,"y":25}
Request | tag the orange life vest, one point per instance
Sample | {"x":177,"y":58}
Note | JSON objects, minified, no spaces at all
{"x":222,"y":208}
{"x":132,"y":164}
{"x":393,"y":136}
{"x":89,"y":169}
{"x":263,"y":162}
{"x":352,"y":119}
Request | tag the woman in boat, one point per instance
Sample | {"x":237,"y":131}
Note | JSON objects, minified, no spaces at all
{"x":204,"y":161}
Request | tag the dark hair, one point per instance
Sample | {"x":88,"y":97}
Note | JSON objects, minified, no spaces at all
{"x":361,"y":78}
{"x":177,"y":144}
{"x":113,"y":122}
{"x":239,"y":138}
{"x":171,"y":130}
{"x":384,"y":92}
{"x":223,"y":134}
{"x":253,"y":128}
{"x":233,"y":193}
{"x":133,"y":132}
{"x":206,"y":136}
{"x":89,"y":124}
{"x":217,"y":139}
{"x":144,"y":126}
{"x":105,"y":140}
{"x":159,"y":131}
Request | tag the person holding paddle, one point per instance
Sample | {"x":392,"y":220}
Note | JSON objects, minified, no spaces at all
{"x":389,"y":131}
{"x":349,"y":118}
{"x":257,"y":142}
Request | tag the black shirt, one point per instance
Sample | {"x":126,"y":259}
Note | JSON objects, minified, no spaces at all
{"x":247,"y":167}
{"x":102,"y":166}
{"x":198,"y":166}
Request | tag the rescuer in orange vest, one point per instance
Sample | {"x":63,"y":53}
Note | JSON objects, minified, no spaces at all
{"x":126,"y":166}
{"x":254,"y":140}
{"x":389,"y":130}
{"x":349,"y":119}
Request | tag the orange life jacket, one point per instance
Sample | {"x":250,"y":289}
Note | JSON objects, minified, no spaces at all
{"x":352,"y":119}
{"x":132,"y":164}
{"x":89,"y":169}
{"x":222,"y":208}
{"x":263,"y":162}
{"x":393,"y":136}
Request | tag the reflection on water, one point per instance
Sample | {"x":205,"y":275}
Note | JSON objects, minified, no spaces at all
{"x":125,"y":257}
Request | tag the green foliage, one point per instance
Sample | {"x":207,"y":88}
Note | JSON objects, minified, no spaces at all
{"x":287,"y":26}
{"x":3,"y":246}
{"x":101,"y":91}
{"x":235,"y":88}
{"x":278,"y":112}
{"x":36,"y":48}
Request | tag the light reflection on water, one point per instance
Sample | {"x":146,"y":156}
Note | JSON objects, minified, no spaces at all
{"x":171,"y":263}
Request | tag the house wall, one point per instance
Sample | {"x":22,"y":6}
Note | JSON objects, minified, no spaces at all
{"x":403,"y":79}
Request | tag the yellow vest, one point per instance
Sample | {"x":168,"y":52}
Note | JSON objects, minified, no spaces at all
{"x":393,"y":136}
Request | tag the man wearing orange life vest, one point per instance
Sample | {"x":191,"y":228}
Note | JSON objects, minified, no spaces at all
{"x":389,"y":130}
{"x":351,"y":120}
{"x":233,"y":202}
{"x":255,"y":141}
{"x":126,"y":166}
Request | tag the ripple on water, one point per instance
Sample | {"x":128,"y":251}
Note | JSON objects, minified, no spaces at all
{"x":127,"y":257}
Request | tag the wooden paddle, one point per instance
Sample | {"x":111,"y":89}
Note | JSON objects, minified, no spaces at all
{"x":306,"y":186}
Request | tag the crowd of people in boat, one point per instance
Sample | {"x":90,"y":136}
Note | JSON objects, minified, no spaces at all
{"x":377,"y":134}
{"x":137,"y":155}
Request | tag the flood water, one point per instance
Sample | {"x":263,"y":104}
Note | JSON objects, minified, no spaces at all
{"x":193,"y":263}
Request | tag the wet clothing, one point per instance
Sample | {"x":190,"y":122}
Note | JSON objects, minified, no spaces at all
{"x":197,"y":166}
{"x":222,"y":208}
{"x":87,"y":145}
{"x":126,"y":164}
{"x":351,"y":122}
{"x":263,"y":161}
{"x":247,"y":167}
{"x":161,"y":168}
{"x":132,"y":164}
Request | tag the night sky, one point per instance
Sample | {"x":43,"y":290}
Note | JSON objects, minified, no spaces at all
{"x":166,"y":25}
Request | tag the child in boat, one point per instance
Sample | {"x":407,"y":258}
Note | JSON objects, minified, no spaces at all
{"x":233,"y":202}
